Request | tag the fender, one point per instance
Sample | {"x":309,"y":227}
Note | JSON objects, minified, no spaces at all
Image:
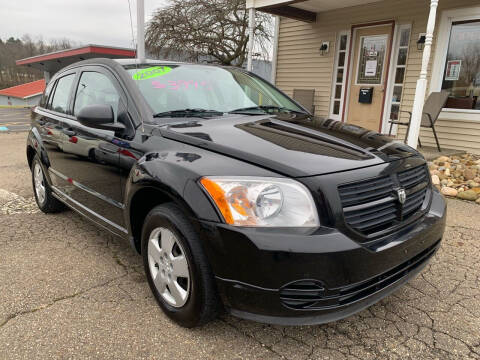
{"x":34,"y":141}
{"x":175,"y":181}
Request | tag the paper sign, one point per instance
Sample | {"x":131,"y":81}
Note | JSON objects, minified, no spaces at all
{"x":371,"y":68}
{"x":151,"y":72}
{"x":453,"y":70}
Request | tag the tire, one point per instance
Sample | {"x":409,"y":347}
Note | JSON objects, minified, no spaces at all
{"x":201,"y":304}
{"x":43,"y":193}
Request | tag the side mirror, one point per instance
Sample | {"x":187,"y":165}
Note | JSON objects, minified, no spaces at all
{"x":99,"y":117}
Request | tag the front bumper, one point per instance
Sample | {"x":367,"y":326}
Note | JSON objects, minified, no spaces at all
{"x":256,"y":268}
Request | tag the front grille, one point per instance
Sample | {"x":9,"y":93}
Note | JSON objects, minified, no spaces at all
{"x":313,"y":296}
{"x":412,"y":177}
{"x":371,"y":206}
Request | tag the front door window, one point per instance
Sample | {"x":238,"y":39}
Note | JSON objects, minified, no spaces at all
{"x":372,"y":57}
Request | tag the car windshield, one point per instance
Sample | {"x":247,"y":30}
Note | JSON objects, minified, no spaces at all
{"x":170,"y":88}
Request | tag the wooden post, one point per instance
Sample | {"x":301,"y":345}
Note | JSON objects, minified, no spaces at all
{"x":421,"y":90}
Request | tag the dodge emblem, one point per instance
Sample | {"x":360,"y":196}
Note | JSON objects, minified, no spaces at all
{"x":402,"y":196}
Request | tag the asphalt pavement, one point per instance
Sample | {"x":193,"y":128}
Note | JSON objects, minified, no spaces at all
{"x":71,"y":290}
{"x":14,"y":120}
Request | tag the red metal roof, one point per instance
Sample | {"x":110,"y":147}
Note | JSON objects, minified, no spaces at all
{"x":89,"y":49}
{"x":25,"y":90}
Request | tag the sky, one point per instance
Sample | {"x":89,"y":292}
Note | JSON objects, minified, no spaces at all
{"x":101,"y":22}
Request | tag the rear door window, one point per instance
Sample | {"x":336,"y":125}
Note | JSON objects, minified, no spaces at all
{"x":59,"y":101}
{"x":95,"y":88}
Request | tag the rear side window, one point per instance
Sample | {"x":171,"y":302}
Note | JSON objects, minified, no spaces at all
{"x":59,"y":101}
{"x":96,"y":89}
{"x":46,"y":94}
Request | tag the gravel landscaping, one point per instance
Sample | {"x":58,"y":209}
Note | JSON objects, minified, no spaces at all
{"x":457,"y":176}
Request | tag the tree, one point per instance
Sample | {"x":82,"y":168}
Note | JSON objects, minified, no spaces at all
{"x":206,"y":30}
{"x":14,"y":49}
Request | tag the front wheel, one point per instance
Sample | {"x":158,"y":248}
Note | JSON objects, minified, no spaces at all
{"x":176,"y":267}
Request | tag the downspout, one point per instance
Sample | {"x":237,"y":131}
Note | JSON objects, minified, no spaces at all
{"x":275,"y":49}
{"x":421,"y":89}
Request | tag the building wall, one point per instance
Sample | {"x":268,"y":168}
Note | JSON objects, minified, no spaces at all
{"x":300,"y":65}
{"x":12,"y":101}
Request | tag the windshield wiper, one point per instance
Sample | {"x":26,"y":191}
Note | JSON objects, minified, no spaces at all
{"x":265,"y":109}
{"x":188,"y":112}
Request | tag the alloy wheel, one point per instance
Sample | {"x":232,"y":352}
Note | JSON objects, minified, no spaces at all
{"x":169,"y":267}
{"x":39,"y":182}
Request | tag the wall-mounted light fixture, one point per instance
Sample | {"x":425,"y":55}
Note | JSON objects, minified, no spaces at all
{"x":421,"y":42}
{"x":324,"y":48}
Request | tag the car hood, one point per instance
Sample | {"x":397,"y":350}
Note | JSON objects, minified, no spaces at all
{"x":291,"y":144}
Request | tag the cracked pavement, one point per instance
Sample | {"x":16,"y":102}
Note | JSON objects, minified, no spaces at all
{"x":71,"y":290}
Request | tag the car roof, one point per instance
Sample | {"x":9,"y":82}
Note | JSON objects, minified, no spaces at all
{"x":127,"y":61}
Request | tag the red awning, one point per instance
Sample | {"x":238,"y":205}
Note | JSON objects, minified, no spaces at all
{"x":54,"y":61}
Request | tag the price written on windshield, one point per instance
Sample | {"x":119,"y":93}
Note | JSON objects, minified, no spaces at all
{"x":182,"y":85}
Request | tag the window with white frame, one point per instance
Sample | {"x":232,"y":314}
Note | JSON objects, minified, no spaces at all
{"x":400,"y":65}
{"x":457,"y":60}
{"x":339,"y":75}
{"x":461,"y":77}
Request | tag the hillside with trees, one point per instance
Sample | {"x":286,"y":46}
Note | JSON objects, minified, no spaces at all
{"x":14,"y":49}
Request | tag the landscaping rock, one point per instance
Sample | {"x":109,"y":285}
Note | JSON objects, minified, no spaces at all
{"x":470,"y":174}
{"x":468,"y":195}
{"x":443,"y":159}
{"x":457,"y":176}
{"x":448,"y":191}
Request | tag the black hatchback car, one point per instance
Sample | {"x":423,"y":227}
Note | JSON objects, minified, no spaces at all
{"x":236,"y":197}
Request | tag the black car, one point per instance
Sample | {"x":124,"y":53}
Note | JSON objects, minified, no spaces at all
{"x":237,"y":198}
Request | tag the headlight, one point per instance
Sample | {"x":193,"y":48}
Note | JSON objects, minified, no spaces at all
{"x":262,"y":202}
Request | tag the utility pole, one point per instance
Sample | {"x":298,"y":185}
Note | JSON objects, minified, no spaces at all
{"x":140,"y":31}
{"x":251,"y":35}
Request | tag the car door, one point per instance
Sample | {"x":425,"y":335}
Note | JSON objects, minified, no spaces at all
{"x":50,"y":118}
{"x":96,"y":177}
{"x":86,"y":165}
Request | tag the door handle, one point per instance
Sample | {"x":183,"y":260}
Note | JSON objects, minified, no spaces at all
{"x":69,"y":132}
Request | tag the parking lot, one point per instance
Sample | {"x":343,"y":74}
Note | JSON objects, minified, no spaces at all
{"x":70,"y":290}
{"x":13,"y":120}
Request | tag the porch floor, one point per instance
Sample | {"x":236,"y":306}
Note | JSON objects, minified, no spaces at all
{"x":431,"y":152}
